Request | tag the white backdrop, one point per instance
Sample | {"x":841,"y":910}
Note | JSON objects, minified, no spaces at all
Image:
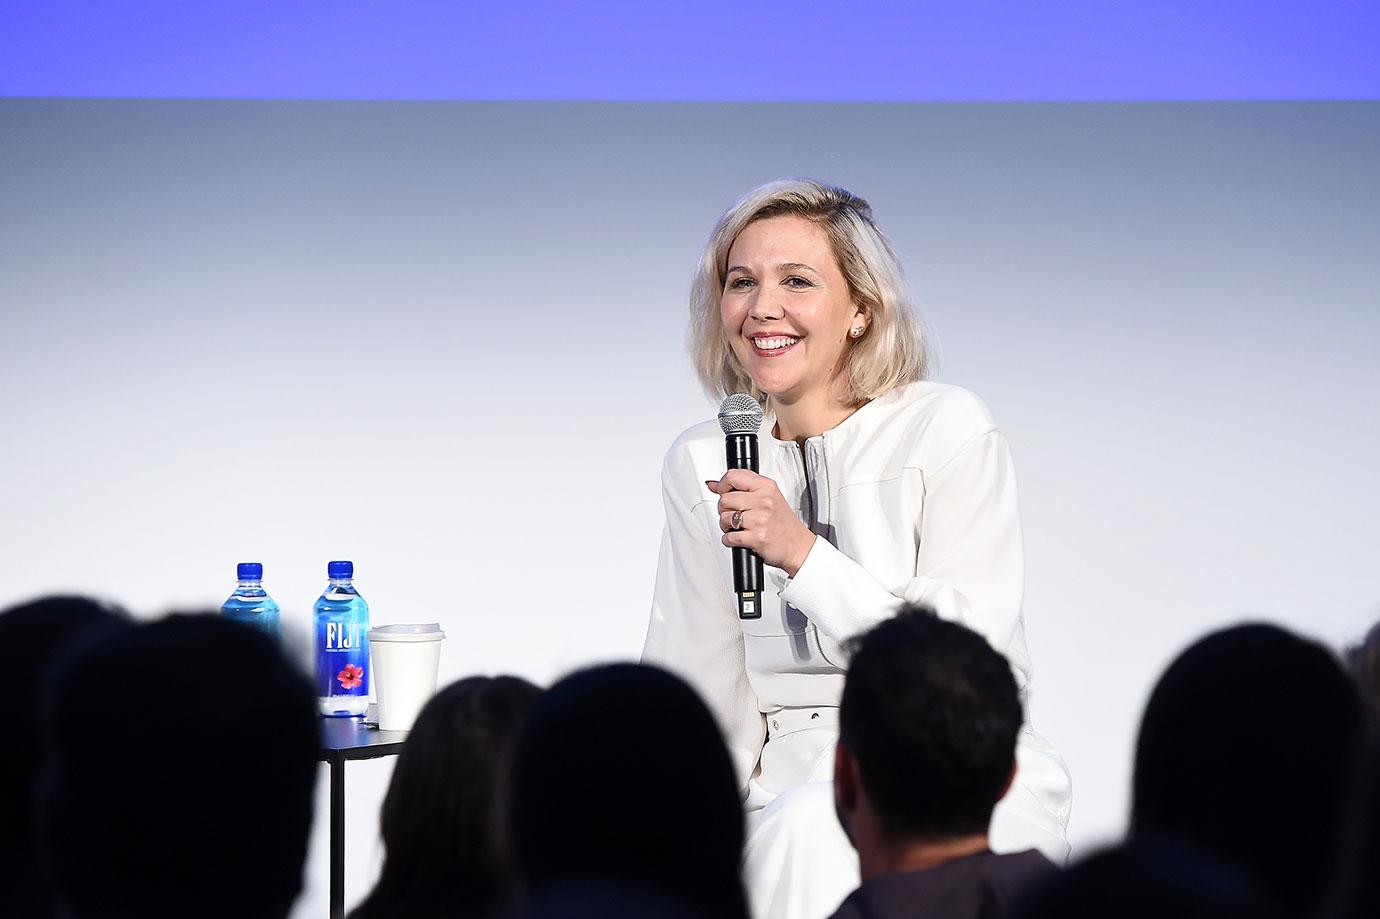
{"x":446,"y":340}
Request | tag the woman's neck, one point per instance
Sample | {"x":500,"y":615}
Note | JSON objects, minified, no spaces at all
{"x":810,"y":415}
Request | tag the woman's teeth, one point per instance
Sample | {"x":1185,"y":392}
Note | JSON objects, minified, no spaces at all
{"x":774,"y":344}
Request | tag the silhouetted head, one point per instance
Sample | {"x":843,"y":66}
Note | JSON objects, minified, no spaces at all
{"x":445,"y":818}
{"x":930,"y":714}
{"x":1247,"y":752}
{"x":622,"y":778}
{"x":1146,"y":879}
{"x":33,"y":636}
{"x":178,"y":773}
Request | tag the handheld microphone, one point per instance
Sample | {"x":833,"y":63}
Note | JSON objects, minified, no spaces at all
{"x":740,"y":416}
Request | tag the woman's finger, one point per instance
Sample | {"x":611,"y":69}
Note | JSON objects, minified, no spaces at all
{"x":739,"y":538}
{"x":733,"y":520}
{"x":741,"y":480}
{"x":737,"y":501}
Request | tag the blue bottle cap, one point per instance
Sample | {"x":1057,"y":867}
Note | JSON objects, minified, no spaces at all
{"x":250,"y":571}
{"x":340,"y":569}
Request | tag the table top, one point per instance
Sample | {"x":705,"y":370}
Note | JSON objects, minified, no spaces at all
{"x":350,"y":738}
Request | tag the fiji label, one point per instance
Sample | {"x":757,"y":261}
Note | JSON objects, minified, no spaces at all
{"x":342,"y":659}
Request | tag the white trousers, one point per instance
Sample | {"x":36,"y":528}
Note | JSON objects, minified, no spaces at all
{"x":798,"y":864}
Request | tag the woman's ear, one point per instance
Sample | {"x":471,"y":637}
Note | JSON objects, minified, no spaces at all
{"x":862,"y":318}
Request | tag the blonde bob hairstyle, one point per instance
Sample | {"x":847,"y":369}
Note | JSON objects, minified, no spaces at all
{"x":891,"y":353}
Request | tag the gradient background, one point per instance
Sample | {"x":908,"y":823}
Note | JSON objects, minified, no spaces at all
{"x":446,"y":339}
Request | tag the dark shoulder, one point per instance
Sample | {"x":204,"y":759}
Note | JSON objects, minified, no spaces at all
{"x":1018,"y":867}
{"x":1007,"y":878}
{"x":981,"y":886}
{"x":852,"y":907}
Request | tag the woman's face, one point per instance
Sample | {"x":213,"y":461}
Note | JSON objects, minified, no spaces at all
{"x":786,"y":307}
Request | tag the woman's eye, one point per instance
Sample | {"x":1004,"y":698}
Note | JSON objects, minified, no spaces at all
{"x":740,"y":283}
{"x":797,"y":281}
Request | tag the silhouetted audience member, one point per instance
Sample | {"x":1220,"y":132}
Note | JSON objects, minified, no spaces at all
{"x":445,"y":819}
{"x":1363,"y":660}
{"x":178,"y":774}
{"x":32,"y":637}
{"x":1358,"y":894}
{"x":604,"y":901}
{"x":1146,"y":879}
{"x":1248,"y":751}
{"x":1358,"y":891}
{"x":621,"y":780}
{"x":927,"y":747}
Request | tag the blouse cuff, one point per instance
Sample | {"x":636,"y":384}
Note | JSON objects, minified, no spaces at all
{"x":837,"y":594}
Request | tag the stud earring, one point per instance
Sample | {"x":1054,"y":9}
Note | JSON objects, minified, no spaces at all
{"x":857,"y":331}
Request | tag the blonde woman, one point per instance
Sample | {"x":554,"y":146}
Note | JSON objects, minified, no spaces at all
{"x":876,"y":487}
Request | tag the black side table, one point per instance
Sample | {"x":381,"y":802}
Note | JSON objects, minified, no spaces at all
{"x":344,"y":739}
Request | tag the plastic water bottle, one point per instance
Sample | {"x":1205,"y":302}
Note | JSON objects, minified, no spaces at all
{"x":251,"y":604}
{"x":342,"y":647}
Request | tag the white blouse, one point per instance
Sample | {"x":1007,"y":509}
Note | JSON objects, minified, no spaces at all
{"x":913,"y":497}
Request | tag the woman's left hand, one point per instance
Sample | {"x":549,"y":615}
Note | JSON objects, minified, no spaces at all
{"x":767,"y":525}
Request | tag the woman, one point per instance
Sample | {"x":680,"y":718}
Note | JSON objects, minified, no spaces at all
{"x":445,"y":822}
{"x":875,"y":487}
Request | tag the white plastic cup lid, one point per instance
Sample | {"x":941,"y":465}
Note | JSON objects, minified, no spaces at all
{"x":425,"y":631}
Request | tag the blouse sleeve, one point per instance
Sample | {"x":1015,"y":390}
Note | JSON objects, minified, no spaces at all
{"x":694,"y":632}
{"x":969,"y":568}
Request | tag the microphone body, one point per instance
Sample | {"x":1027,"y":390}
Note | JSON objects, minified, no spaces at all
{"x":740,"y":416}
{"x":741,"y":453}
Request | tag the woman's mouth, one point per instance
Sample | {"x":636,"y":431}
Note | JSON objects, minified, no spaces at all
{"x":772,"y":345}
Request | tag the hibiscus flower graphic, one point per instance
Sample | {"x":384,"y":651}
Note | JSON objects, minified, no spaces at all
{"x":351,"y":676}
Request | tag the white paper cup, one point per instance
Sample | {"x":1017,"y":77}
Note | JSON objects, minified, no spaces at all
{"x":405,"y":658}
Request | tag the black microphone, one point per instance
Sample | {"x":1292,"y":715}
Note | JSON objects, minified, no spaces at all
{"x":740,"y":416}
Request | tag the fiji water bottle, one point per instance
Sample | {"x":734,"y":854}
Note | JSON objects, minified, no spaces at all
{"x":250,"y":603}
{"x":342,"y":649}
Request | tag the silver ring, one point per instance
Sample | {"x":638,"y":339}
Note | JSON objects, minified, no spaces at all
{"x":736,"y":521}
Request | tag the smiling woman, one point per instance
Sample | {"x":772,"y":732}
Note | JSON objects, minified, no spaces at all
{"x":876,"y":487}
{"x":790,"y":323}
{"x":832,"y":232}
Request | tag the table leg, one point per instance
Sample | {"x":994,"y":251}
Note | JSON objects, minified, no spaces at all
{"x":338,"y":838}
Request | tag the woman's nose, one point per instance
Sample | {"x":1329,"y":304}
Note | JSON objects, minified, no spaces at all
{"x":764,"y":307}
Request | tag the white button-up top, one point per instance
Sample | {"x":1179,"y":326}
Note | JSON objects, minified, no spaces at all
{"x":913,"y":498}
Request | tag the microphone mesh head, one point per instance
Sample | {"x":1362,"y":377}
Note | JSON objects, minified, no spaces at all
{"x":740,"y":414}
